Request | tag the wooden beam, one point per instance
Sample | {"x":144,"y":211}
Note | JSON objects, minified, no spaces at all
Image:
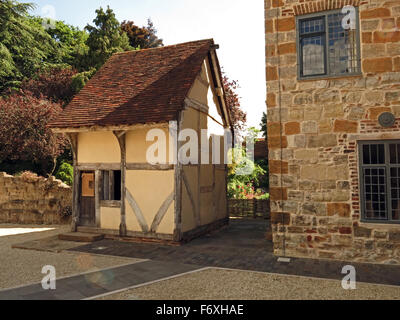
{"x":149,"y":167}
{"x":162,"y":212}
{"x":194,"y":207}
{"x":97,"y":193}
{"x":129,"y":166}
{"x":121,"y":135}
{"x":215,"y":197}
{"x":110,"y":204}
{"x":73,"y":139}
{"x":111,"y":185}
{"x":138,"y":212}
{"x":178,"y":181}
{"x":110,"y":128}
{"x":198,"y":218}
{"x":99,"y":166}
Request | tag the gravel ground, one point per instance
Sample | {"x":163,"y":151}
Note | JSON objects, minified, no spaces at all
{"x":219,"y":284}
{"x":22,"y":267}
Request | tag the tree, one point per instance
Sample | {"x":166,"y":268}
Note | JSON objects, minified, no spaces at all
{"x":141,"y":37}
{"x":105,"y":38}
{"x":72,"y":41}
{"x":246,"y":178}
{"x":263,"y":125}
{"x":153,"y":41}
{"x":26,"y":139}
{"x":238,"y":116}
{"x":24,"y":45}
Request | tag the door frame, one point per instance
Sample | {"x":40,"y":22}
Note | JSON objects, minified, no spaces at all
{"x":95,"y":217}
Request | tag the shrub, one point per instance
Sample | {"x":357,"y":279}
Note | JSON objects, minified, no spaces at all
{"x":65,"y":173}
{"x":24,"y":133}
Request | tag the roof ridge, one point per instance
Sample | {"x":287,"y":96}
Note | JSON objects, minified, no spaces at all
{"x":164,"y":47}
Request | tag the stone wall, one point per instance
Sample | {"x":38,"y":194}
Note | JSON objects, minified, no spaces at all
{"x":34,"y":200}
{"x":313,"y":129}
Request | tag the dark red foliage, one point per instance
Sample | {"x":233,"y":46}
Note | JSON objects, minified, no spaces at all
{"x":238,"y":116}
{"x":24,"y":135}
{"x":53,"y":84}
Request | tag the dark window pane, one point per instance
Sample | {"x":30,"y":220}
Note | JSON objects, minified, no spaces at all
{"x":117,"y":185}
{"x":374,"y":156}
{"x":381,"y":154}
{"x":366,"y":154}
{"x":393,"y":153}
{"x":394,"y":150}
{"x":398,"y":153}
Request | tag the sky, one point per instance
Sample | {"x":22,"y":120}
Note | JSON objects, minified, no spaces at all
{"x":236,"y":25}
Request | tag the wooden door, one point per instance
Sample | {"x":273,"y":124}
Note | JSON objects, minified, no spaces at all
{"x":87,"y":200}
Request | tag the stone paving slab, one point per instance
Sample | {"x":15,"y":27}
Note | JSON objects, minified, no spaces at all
{"x":100,"y":282}
{"x":50,"y":244}
{"x":243,"y":246}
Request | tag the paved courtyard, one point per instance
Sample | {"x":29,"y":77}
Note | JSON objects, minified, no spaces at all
{"x":21,"y":267}
{"x":234,"y":263}
{"x":243,"y":246}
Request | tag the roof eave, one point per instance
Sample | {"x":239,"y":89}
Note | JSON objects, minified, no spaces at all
{"x":110,"y":128}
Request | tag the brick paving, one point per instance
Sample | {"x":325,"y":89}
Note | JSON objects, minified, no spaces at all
{"x":243,"y":246}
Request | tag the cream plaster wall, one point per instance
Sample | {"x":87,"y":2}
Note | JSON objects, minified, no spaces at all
{"x":110,"y":218}
{"x":98,"y":147}
{"x":150,"y":189}
{"x":137,"y":146}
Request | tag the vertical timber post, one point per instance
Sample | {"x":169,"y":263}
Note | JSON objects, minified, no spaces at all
{"x":121,"y":136}
{"x":97,"y":192}
{"x":73,"y":139}
{"x":178,"y":180}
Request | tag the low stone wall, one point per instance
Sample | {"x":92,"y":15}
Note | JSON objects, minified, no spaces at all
{"x":29,"y":199}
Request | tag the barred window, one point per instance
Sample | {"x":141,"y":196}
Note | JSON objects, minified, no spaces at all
{"x":380,"y":181}
{"x":111,"y":185}
{"x":325,"y":48}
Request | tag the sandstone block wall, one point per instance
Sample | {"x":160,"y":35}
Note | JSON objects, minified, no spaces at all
{"x":313,"y":129}
{"x":34,"y":200}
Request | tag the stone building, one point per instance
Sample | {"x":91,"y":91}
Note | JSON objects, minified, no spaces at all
{"x":333,"y":97}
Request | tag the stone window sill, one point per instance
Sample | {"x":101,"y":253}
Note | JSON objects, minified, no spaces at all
{"x":382,"y":226}
{"x":325,"y":77}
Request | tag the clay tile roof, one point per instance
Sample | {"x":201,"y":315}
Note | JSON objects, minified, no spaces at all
{"x":137,"y":87}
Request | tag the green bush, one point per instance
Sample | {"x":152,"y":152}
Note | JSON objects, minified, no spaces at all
{"x":65,"y":173}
